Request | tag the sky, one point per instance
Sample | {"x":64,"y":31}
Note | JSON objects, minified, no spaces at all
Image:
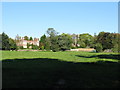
{"x":34,"y":18}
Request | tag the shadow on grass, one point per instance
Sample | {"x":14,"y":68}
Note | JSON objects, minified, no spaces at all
{"x":53,"y":73}
{"x":103,"y":56}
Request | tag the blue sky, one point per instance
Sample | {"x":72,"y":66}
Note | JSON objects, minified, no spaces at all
{"x":34,"y":18}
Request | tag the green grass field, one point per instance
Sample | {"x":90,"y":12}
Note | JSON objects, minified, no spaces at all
{"x":27,"y":69}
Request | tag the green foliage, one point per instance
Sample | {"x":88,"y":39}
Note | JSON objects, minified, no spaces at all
{"x":28,"y":45}
{"x":53,"y":39}
{"x":86,"y":40}
{"x":26,"y":38}
{"x":103,"y":41}
{"x":105,"y":38}
{"x":47,"y":44}
{"x":12,"y":44}
{"x":51,"y":32}
{"x":42,"y":47}
{"x":5,"y":42}
{"x":43,"y":38}
{"x":31,"y":39}
{"x":98,"y":47}
{"x":62,"y":42}
{"x":109,"y":41}
{"x":0,"y":41}
{"x":54,"y":44}
{"x":119,"y":43}
{"x":116,"y":42}
{"x":20,"y":47}
{"x":115,"y":48}
{"x":8,"y":43}
{"x":74,"y":40}
{"x":73,"y":47}
{"x":35,"y":47}
{"x":42,"y":42}
{"x":82,"y":44}
{"x":65,"y":42}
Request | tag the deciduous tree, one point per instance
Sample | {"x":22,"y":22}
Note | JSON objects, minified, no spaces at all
{"x":26,"y":38}
{"x":65,"y":41}
{"x":53,"y":35}
{"x":105,"y":39}
{"x":86,"y":40}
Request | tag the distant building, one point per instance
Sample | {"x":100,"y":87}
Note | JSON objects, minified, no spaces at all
{"x":24,"y":43}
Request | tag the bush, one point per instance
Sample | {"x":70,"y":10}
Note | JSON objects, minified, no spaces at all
{"x":35,"y":47}
{"x":20,"y":47}
{"x":73,"y":47}
{"x":42,"y":47}
{"x":98,"y":47}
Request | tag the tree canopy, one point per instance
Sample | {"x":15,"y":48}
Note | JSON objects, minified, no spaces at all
{"x":64,"y":41}
{"x":85,"y":40}
{"x":26,"y":38}
{"x":8,"y":43}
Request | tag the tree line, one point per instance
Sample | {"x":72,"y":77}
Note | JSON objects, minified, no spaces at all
{"x":7,"y":43}
{"x":61,"y":42}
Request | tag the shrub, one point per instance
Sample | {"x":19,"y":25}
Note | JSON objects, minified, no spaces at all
{"x":35,"y":47}
{"x":42,"y":47}
{"x":20,"y":47}
{"x":73,"y":47}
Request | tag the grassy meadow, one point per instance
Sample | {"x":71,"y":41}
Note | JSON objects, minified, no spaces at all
{"x":37,"y":69}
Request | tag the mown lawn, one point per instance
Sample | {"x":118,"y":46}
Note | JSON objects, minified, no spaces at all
{"x":26,"y":69}
{"x":62,"y":56}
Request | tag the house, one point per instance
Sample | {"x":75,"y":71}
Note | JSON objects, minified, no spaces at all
{"x":24,"y":43}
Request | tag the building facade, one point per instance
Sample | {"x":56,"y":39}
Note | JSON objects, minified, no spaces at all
{"x":24,"y":43}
